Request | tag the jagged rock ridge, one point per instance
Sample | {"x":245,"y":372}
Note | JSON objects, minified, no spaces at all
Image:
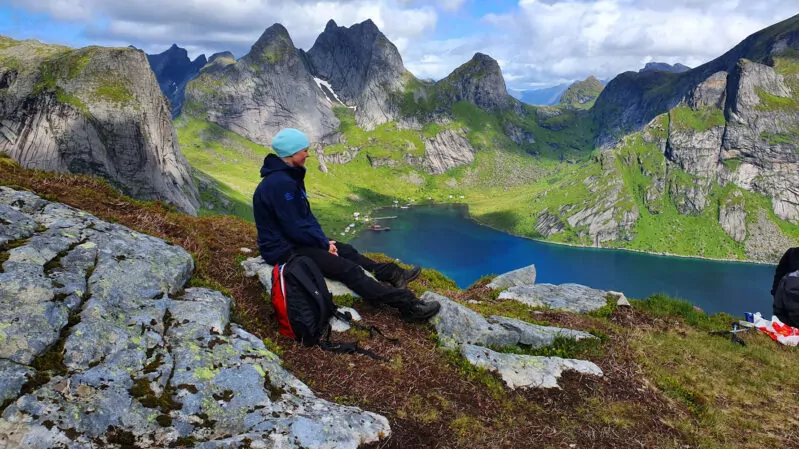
{"x":363,"y":67}
{"x":145,"y":363}
{"x":173,"y":69}
{"x":96,"y":111}
{"x":268,"y":89}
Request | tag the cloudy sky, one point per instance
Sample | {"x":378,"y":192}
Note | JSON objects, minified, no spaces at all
{"x":538,"y":43}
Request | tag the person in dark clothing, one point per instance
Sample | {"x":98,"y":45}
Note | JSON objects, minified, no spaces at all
{"x":286,"y":226}
{"x":786,"y":306}
{"x":788,"y":264}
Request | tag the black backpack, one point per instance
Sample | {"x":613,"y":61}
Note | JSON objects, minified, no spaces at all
{"x":303,"y":307}
{"x":786,"y":299}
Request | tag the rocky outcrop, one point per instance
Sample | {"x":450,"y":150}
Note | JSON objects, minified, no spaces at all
{"x":447,"y":150}
{"x":732,"y":216}
{"x":218,"y":61}
{"x":173,"y":69}
{"x":96,"y":111}
{"x":342,"y":157}
{"x":518,"y":135}
{"x":525,"y":371}
{"x":766,"y":243}
{"x":363,"y":68}
{"x":101,"y":346}
{"x":609,"y":213}
{"x":521,"y":276}
{"x":569,"y":297}
{"x":462,"y":328}
{"x":479,"y":82}
{"x":268,"y":89}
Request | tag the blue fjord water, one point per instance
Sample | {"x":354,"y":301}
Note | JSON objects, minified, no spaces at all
{"x":442,"y":237}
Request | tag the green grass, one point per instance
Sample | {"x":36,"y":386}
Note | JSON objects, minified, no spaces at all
{"x":114,"y":91}
{"x":723,"y":386}
{"x":770,"y":102}
{"x":683,"y":117}
{"x":385,"y":141}
{"x":232,"y":161}
{"x":783,"y":138}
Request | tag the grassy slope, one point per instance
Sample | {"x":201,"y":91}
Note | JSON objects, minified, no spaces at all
{"x":667,"y":383}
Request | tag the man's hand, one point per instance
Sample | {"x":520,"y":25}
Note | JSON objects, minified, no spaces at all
{"x":333,"y":250}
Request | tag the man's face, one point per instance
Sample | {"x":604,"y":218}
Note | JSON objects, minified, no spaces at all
{"x":298,"y":158}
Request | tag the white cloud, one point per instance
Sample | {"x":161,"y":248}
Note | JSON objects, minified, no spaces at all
{"x":213,"y":25}
{"x":450,"y":5}
{"x":551,"y":40}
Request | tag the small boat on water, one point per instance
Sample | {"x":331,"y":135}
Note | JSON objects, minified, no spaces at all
{"x":378,"y":228}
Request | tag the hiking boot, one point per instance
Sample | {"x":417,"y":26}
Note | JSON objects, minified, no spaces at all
{"x":420,"y":311}
{"x":407,"y":276}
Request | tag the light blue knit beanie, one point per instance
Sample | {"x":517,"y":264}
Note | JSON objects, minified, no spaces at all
{"x":289,"y":141}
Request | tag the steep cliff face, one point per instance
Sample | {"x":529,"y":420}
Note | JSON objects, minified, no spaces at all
{"x":173,"y":69}
{"x":631,"y":100}
{"x":479,"y":82}
{"x":96,"y":111}
{"x":268,"y":89}
{"x":363,"y":68}
{"x":447,"y":150}
{"x":750,"y":143}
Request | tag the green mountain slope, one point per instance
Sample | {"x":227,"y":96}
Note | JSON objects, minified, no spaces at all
{"x":712,"y":176}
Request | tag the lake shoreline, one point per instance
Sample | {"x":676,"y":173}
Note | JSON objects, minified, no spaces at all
{"x":573,"y":245}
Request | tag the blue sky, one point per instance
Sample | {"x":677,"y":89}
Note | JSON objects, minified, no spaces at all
{"x":538,"y":43}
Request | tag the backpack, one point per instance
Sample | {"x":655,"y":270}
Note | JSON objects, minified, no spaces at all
{"x":303,"y":307}
{"x":786,"y":299}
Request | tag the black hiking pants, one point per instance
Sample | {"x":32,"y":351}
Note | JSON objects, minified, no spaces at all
{"x":346,"y":268}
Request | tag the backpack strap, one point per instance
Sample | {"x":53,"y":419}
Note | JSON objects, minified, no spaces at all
{"x":347,"y":318}
{"x":346,"y":347}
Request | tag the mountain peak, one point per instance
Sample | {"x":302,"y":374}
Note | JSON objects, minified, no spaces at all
{"x":479,"y":82}
{"x":331,"y":25}
{"x":273,"y":45}
{"x":482,"y":57}
{"x":582,"y":94}
{"x":353,"y":58}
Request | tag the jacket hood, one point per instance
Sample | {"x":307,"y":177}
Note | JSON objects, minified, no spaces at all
{"x":273,"y":164}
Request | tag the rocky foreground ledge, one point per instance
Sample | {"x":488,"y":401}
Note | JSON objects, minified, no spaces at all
{"x":100,"y":346}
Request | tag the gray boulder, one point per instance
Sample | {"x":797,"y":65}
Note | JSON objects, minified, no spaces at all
{"x":569,"y":297}
{"x":457,"y":325}
{"x":521,"y":276}
{"x":95,"y":111}
{"x":144,"y":361}
{"x":526,"y":371}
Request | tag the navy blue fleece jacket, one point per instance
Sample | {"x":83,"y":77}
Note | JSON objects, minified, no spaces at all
{"x":283,"y":215}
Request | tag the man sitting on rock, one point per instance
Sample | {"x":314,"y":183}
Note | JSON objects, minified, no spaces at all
{"x":287,"y":226}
